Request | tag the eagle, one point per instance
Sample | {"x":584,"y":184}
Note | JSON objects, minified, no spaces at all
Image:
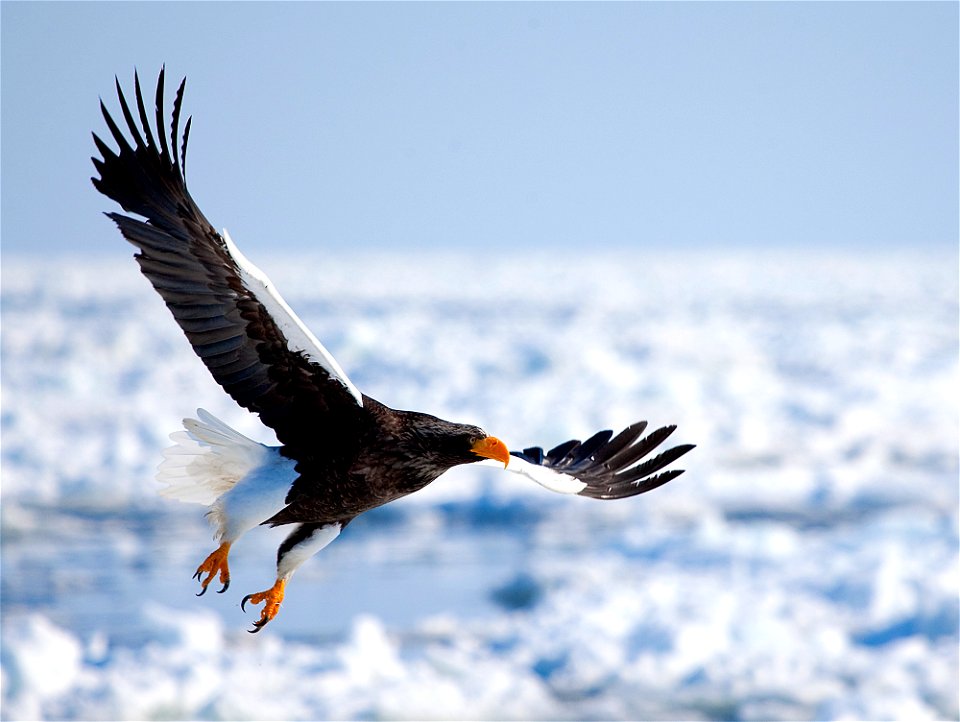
{"x":340,"y":452}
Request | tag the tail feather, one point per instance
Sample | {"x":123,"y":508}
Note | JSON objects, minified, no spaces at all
{"x":206,"y":460}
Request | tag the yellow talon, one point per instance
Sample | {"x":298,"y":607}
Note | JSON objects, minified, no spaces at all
{"x":212,"y":565}
{"x":272,"y":598}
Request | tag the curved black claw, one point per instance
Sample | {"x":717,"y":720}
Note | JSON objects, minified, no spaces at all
{"x":226,"y":584}
{"x":203,"y":589}
{"x":260,"y":623}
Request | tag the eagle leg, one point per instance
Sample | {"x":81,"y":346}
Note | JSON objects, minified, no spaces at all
{"x":272,"y":598}
{"x":302,"y":543}
{"x":215,"y":564}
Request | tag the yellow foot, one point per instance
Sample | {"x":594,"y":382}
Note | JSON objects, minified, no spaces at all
{"x":216,"y":562}
{"x":273,"y":596}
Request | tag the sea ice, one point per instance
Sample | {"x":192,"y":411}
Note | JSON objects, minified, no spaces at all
{"x":805,"y":566}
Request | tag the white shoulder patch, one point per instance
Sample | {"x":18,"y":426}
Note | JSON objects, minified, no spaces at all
{"x":548,"y":478}
{"x":299,"y":337}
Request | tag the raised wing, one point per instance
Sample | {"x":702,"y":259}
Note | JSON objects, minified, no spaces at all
{"x":248,"y":337}
{"x":604,"y":466}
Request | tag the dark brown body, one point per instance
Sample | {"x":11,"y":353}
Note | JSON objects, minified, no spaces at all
{"x":387,"y":454}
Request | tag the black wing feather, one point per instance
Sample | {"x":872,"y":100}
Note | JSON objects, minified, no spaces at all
{"x":142,"y":110}
{"x":581,"y":458}
{"x":190,"y":266}
{"x":127,"y":115}
{"x":183,"y":148}
{"x":628,"y":490}
{"x":621,"y":440}
{"x":558,"y":454}
{"x":164,"y":150}
{"x":608,"y":466}
{"x":638,"y":450}
{"x":175,"y":126}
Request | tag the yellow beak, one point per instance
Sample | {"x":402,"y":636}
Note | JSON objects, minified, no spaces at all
{"x":492,"y":448}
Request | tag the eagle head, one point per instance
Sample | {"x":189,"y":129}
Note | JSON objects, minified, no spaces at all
{"x":444,"y":444}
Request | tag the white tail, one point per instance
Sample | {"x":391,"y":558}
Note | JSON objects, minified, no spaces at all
{"x":207,"y":460}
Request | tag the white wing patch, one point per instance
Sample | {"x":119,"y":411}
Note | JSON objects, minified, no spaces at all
{"x":299,"y":337}
{"x":547,"y":478}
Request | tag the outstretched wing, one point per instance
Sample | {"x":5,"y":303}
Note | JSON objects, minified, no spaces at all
{"x":248,"y":337}
{"x":604,"y":466}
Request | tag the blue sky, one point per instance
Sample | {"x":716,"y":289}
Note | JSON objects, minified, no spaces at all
{"x":502,"y":126}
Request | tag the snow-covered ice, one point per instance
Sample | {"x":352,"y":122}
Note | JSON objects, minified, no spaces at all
{"x":805,"y":566}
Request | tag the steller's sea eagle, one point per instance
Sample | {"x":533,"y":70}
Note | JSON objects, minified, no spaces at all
{"x":341,"y":452}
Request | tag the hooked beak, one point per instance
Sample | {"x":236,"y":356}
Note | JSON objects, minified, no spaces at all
{"x":491,"y":447}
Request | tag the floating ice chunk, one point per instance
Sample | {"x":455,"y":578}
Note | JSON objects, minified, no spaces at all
{"x":370,"y":654}
{"x":40,"y":660}
{"x":197,"y":632}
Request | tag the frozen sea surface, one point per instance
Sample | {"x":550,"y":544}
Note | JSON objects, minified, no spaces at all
{"x":805,"y":566}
